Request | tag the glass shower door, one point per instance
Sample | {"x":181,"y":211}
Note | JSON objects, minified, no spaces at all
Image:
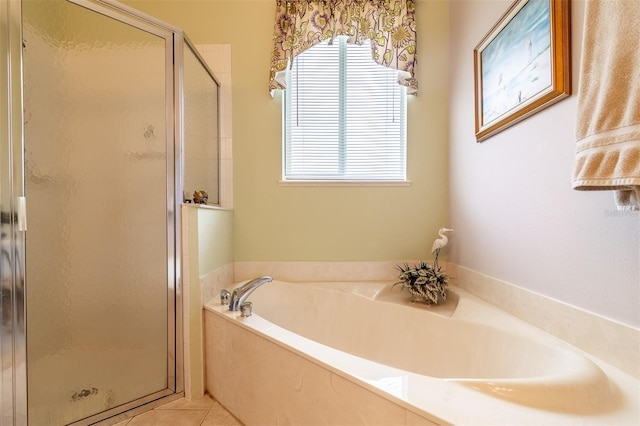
{"x":99,"y":184}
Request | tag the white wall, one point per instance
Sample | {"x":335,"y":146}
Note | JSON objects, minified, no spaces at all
{"x":515,"y":214}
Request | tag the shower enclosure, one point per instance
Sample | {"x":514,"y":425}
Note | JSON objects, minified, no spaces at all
{"x":90,"y":195}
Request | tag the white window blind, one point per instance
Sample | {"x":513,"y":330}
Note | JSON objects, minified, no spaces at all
{"x":344,"y":116}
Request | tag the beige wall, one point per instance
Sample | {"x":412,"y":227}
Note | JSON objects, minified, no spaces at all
{"x":217,"y":251}
{"x":321,"y":223}
{"x":511,"y":202}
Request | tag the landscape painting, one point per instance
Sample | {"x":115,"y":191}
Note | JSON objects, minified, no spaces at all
{"x":515,"y":63}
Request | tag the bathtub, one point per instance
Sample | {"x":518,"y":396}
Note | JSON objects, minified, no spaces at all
{"x":361,"y":353}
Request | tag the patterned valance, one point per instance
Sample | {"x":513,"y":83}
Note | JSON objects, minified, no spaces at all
{"x":389,"y":24}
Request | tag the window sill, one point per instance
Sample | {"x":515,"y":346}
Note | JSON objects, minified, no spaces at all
{"x":345,"y":183}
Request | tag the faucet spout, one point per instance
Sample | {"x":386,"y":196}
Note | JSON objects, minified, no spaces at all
{"x":240,"y":294}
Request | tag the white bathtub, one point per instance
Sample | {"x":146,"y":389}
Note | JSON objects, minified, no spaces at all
{"x":361,"y":353}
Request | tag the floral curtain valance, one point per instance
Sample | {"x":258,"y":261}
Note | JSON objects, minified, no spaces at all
{"x":389,"y":24}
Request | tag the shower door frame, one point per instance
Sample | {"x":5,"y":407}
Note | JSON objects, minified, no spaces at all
{"x":175,"y":357}
{"x":15,"y":379}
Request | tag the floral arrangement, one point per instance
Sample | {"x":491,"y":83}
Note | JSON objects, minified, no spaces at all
{"x":424,"y":282}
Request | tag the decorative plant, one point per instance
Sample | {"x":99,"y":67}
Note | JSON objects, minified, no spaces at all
{"x":424,"y":282}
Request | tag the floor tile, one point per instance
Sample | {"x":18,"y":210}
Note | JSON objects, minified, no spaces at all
{"x":218,"y":416}
{"x":203,"y":403}
{"x":169,"y":417}
{"x":204,"y":411}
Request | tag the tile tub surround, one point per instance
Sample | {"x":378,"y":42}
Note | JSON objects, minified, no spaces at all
{"x":194,"y":298}
{"x":253,"y":376}
{"x":274,"y":377}
{"x":320,"y":271}
{"x":212,"y":283}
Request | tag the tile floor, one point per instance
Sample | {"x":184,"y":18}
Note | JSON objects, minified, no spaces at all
{"x":200,"y":412}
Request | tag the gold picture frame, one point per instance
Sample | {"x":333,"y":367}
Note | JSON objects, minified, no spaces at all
{"x":522,"y":65}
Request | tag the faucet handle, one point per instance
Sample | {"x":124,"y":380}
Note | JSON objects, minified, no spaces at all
{"x":225,"y":296}
{"x":245,"y":309}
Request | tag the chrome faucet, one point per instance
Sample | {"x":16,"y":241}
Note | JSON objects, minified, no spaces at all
{"x":239,"y":295}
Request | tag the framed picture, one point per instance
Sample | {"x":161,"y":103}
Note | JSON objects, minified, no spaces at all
{"x":522,"y":65}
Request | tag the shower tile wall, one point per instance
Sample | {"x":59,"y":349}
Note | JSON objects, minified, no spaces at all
{"x":218,"y":58}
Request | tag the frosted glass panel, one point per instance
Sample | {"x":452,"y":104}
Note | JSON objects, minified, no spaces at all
{"x":201,"y":142}
{"x":6,"y":231}
{"x":96,"y":185}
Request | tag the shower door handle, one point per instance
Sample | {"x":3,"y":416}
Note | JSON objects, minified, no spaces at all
{"x":22,"y":213}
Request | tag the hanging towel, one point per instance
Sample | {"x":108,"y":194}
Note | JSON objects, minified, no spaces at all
{"x":608,"y":113}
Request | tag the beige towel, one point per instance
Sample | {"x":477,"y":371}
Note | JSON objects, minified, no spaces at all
{"x":608,"y":116}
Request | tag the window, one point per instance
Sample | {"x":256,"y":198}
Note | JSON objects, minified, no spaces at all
{"x":344,"y":116}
